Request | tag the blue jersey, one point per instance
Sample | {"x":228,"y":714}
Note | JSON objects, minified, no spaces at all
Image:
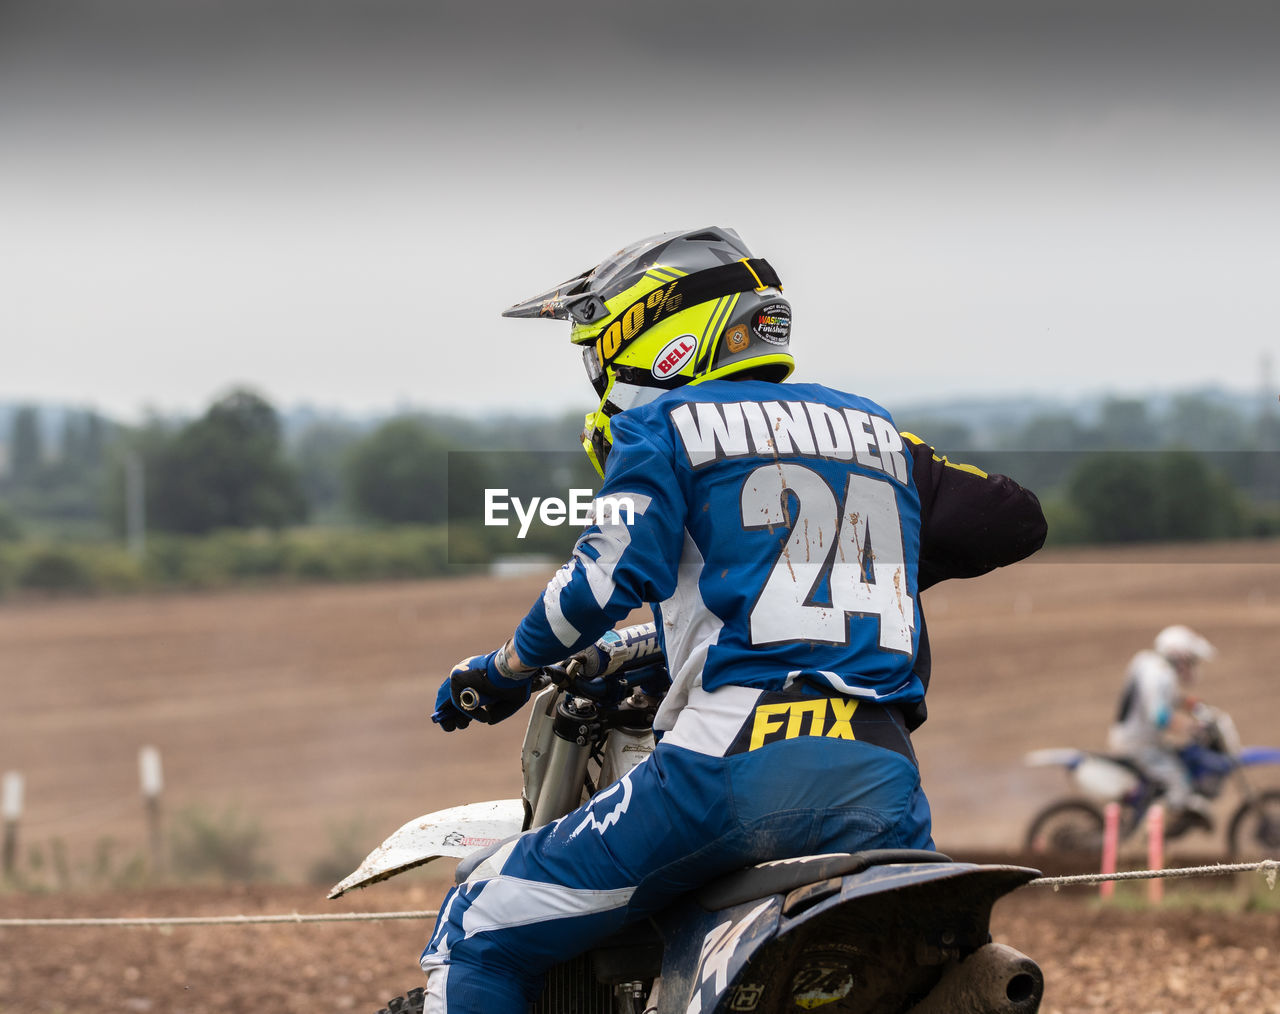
{"x":775,"y":530}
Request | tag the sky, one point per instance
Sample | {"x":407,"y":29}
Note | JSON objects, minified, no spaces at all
{"x":332,"y":201}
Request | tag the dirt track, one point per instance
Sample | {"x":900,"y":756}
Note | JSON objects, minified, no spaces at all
{"x":305,"y":711}
{"x":1095,"y":960}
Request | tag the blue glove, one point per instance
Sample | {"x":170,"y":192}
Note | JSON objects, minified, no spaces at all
{"x":492,"y":696}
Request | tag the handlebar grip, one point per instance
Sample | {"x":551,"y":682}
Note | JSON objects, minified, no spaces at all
{"x":469,"y":699}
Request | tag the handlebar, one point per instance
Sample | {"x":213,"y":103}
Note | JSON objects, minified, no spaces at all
{"x":608,"y":669}
{"x":604,"y":672}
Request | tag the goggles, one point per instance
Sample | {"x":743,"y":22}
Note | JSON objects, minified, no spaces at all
{"x":595,"y":372}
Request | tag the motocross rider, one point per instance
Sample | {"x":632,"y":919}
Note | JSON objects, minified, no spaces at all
{"x":782,"y":535}
{"x":1156,"y":712}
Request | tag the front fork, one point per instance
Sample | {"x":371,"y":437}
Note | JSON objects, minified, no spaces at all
{"x":564,"y":773}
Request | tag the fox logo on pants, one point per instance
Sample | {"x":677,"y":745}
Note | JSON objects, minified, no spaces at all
{"x":622,"y":785}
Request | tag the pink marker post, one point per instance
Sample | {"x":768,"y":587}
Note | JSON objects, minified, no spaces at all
{"x":1155,"y":852}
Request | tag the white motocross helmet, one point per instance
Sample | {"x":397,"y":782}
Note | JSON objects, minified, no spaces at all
{"x":1182,"y":644}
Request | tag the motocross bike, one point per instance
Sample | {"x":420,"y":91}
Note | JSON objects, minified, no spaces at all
{"x":878,"y":932}
{"x":1213,"y":758}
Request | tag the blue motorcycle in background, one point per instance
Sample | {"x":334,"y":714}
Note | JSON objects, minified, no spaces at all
{"x":1214,"y":759}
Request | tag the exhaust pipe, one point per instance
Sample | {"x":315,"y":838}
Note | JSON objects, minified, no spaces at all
{"x":994,"y":979}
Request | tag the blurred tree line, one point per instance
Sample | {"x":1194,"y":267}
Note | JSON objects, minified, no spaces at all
{"x":1197,"y":470}
{"x":63,"y":483}
{"x":1194,"y":470}
{"x":234,"y":467}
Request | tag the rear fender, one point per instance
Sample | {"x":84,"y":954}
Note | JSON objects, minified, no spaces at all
{"x":706,"y":951}
{"x":1251,"y":755}
{"x":870,"y":939}
{"x":453,"y":833}
{"x":1054,"y":757}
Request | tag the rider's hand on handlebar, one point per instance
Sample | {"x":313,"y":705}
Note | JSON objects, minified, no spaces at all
{"x":476,"y":689}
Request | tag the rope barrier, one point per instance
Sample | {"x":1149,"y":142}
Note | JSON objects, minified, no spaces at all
{"x":222,"y":920}
{"x":1269,"y":868}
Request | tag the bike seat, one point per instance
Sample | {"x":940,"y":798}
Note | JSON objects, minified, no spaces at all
{"x":783,"y":875}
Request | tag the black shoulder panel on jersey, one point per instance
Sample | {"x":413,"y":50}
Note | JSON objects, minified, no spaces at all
{"x":970,"y":522}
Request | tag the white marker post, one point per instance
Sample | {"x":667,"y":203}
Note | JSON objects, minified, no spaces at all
{"x":11,"y":811}
{"x":152,"y":778}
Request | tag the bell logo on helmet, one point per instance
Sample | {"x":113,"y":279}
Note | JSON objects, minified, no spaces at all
{"x":674,"y":355}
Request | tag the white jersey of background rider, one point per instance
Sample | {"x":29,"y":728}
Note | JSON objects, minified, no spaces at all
{"x":743,"y":596}
{"x":1150,"y":697}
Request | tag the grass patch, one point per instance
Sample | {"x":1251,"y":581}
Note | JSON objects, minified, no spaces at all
{"x":1229,"y":893}
{"x":43,"y":568}
{"x":226,"y":847}
{"x":349,"y":843}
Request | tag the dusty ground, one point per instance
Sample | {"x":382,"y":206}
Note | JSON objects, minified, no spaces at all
{"x":305,"y":711}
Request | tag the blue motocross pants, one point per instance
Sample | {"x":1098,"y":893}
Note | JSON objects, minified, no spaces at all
{"x":674,"y":822}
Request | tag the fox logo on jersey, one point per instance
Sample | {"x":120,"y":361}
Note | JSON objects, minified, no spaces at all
{"x":825,"y":716}
{"x":791,"y":714}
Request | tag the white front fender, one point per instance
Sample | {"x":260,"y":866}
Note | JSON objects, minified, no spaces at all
{"x":1054,"y":756}
{"x":455,"y":833}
